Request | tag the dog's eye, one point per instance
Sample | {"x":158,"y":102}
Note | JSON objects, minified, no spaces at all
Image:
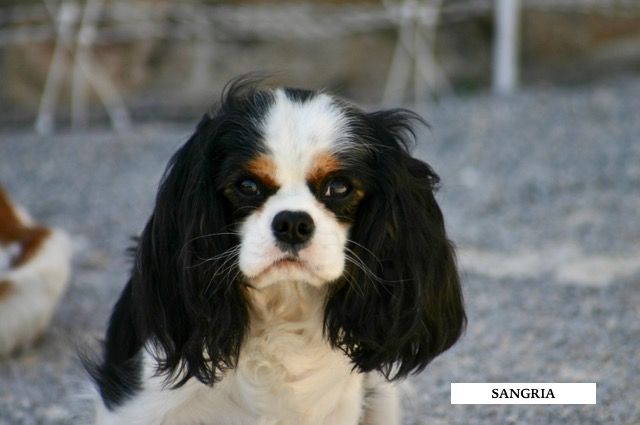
{"x":249,"y":187}
{"x":337,"y":188}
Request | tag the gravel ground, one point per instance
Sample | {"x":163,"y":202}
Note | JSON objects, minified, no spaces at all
{"x":541,"y":192}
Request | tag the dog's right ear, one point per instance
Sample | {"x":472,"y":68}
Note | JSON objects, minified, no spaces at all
{"x":189,"y":304}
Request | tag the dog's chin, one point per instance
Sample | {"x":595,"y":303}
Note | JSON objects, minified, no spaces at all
{"x":285,"y":271}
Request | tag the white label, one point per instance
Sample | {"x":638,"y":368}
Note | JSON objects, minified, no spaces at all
{"x":523,"y":393}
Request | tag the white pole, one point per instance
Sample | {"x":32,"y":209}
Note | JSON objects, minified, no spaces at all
{"x":400,"y":70}
{"x":47,"y":110}
{"x":105,"y":89}
{"x":506,"y":46}
{"x":86,"y":36}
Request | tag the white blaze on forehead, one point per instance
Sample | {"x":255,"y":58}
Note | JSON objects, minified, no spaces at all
{"x":301,"y":139}
{"x":297,"y":132}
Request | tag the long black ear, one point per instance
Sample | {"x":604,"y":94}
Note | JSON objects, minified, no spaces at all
{"x":400,"y":304}
{"x":189,"y":302}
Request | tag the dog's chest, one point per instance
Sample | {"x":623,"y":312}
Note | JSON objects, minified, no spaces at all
{"x":286,"y":376}
{"x":286,"y":369}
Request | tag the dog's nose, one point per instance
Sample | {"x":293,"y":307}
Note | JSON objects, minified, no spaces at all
{"x":292,"y":227}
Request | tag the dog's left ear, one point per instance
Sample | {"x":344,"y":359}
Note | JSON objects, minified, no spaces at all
{"x":401,"y":302}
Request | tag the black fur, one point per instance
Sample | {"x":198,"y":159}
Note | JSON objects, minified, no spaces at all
{"x":119,"y":375}
{"x":299,"y":95}
{"x":176,"y":297}
{"x":406,"y":308}
{"x":395,"y":316}
{"x":196,"y":314}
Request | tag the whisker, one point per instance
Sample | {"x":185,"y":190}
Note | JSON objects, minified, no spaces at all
{"x":223,"y":270}
{"x":224,"y":267}
{"x":353,"y":283}
{"x":367,"y":271}
{"x":229,"y":252}
{"x":209,"y":235}
{"x":375,"y":257}
{"x":233,"y":279}
{"x":363,"y":265}
{"x":223,"y":254}
{"x":357,"y":261}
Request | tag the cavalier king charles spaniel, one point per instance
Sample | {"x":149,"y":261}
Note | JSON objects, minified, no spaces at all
{"x":294,"y":268}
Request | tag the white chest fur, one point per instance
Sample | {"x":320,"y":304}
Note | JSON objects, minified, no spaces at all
{"x":287,"y":374}
{"x":287,"y":370}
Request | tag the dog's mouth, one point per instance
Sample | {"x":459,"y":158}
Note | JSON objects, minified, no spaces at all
{"x":287,"y":263}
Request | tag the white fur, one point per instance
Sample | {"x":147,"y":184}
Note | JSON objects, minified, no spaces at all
{"x":37,"y":287}
{"x":324,"y":256}
{"x":295,"y":134}
{"x":287,"y":373}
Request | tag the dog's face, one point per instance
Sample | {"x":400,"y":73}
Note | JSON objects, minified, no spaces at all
{"x":281,"y":186}
{"x":295,"y":195}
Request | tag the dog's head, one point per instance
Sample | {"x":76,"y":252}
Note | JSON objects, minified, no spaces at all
{"x":281,"y":186}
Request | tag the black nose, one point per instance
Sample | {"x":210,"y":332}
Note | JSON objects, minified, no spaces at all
{"x":292,"y":227}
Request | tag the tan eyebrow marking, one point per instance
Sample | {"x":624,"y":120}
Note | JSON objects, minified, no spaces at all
{"x":264,"y":168}
{"x":323,"y":164}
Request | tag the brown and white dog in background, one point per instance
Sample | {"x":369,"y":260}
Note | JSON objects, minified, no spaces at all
{"x":34,"y":271}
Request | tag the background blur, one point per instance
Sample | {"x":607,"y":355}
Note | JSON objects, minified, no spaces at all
{"x":164,"y":60}
{"x":534,"y":108}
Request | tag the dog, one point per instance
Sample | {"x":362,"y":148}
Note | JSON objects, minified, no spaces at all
{"x":35,"y":263}
{"x":294,"y":268}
